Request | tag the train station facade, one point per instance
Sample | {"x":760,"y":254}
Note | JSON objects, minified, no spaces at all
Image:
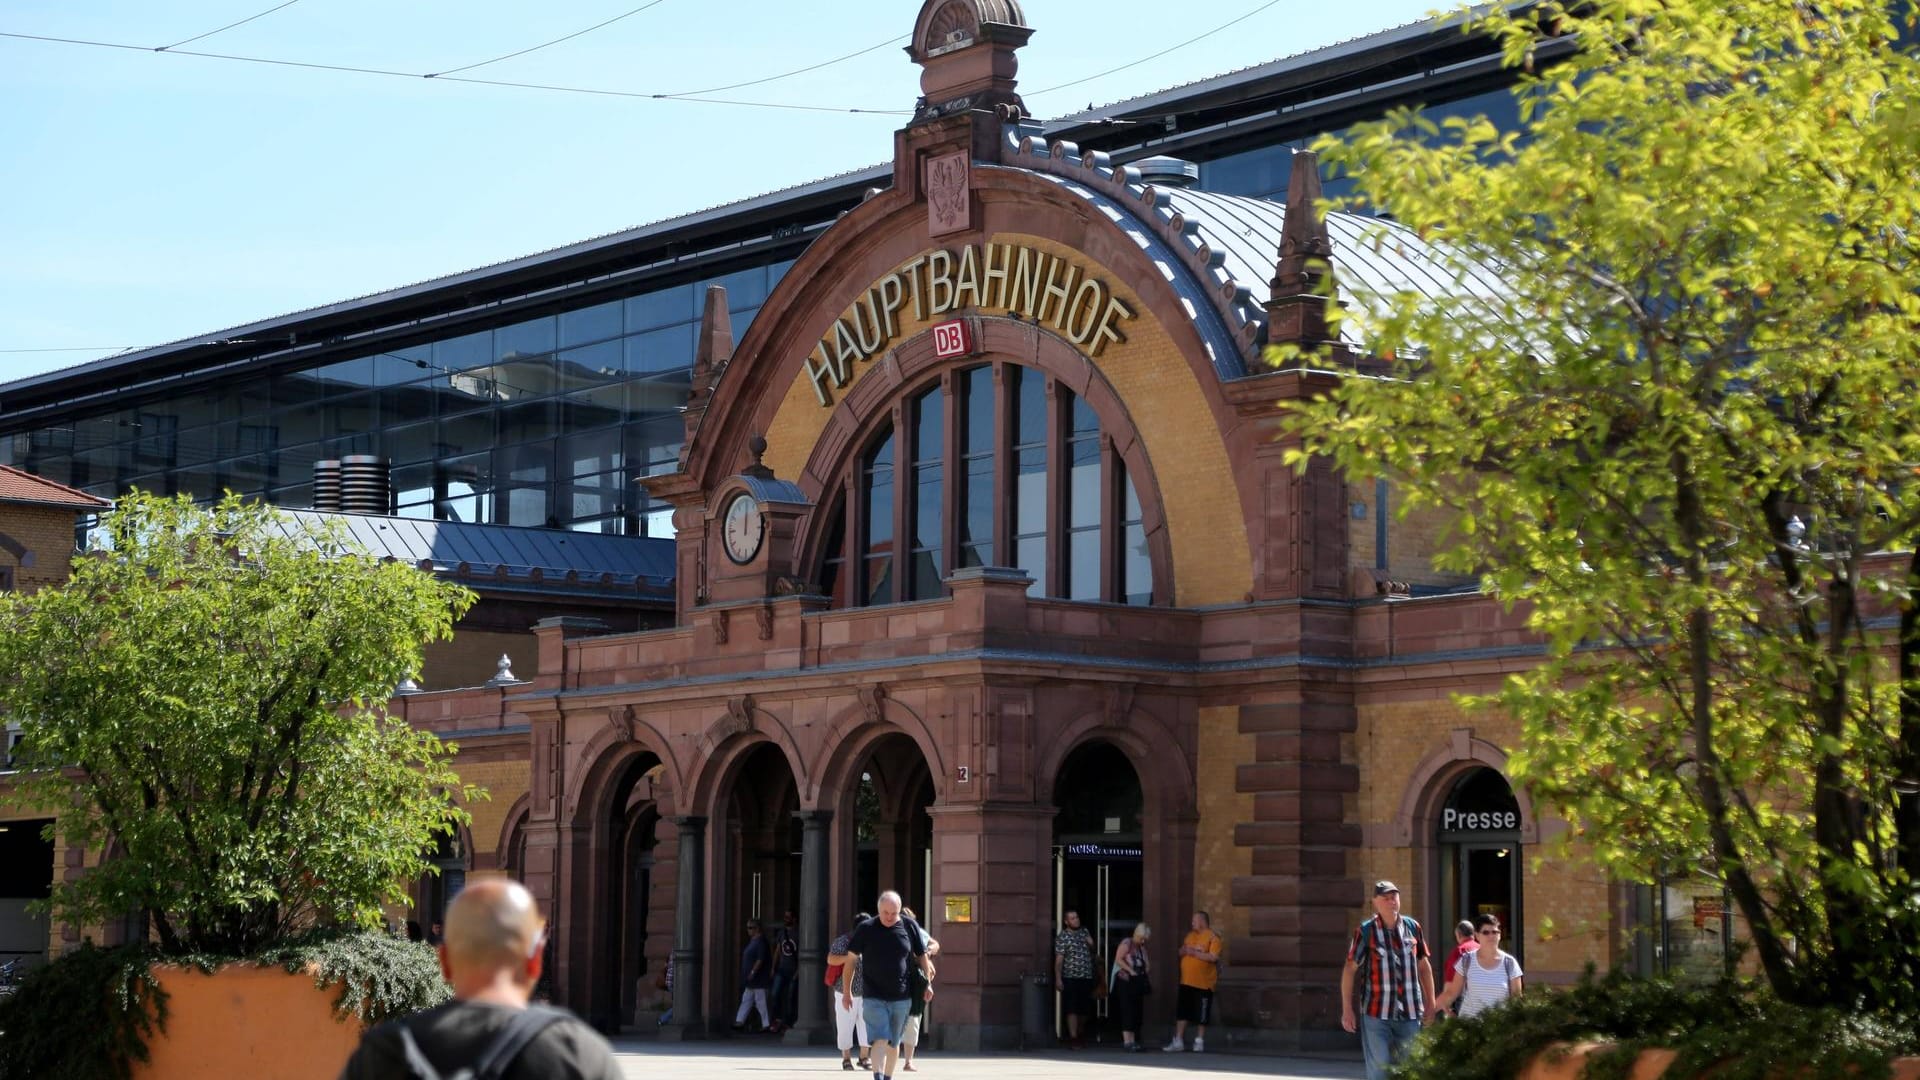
{"x":993,"y":586}
{"x":989,"y":582}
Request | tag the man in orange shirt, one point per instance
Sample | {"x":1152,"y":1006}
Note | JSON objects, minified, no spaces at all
{"x":1199,"y":973}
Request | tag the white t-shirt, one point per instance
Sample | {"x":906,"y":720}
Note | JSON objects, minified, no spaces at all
{"x":1486,"y":987}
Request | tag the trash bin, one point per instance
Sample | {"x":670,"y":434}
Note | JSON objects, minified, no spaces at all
{"x":1036,"y":1009}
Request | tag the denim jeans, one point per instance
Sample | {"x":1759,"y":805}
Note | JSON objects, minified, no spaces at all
{"x":1385,"y":1042}
{"x":886,"y":1021}
{"x":780,"y":997}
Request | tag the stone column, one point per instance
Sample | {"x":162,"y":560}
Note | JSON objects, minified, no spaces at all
{"x":689,"y":930}
{"x":815,"y":1022}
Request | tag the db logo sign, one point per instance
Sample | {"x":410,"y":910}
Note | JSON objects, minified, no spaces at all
{"x":951,"y":339}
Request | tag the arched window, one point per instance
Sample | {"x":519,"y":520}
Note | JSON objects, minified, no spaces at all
{"x":993,"y":465}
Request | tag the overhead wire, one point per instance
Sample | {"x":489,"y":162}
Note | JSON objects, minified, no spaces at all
{"x":1171,"y":48}
{"x":555,"y":41}
{"x":79,"y":348}
{"x":789,"y":74}
{"x":229,"y":26}
{"x":389,"y":73}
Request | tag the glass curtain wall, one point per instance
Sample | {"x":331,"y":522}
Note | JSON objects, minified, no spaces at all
{"x":543,"y":422}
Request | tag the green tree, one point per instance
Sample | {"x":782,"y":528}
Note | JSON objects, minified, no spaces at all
{"x":204,"y":694}
{"x":1683,"y":433}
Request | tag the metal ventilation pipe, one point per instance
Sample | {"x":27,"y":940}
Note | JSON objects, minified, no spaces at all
{"x":365,"y":485}
{"x":1167,"y":172}
{"x":326,"y":486}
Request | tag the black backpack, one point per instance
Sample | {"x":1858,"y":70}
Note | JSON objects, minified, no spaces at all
{"x":495,"y":1059}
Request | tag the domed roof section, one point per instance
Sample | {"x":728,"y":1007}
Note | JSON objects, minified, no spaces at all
{"x":1219,"y":252}
{"x":950,"y":24}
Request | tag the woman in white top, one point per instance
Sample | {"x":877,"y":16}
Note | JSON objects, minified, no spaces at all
{"x":1486,"y":976}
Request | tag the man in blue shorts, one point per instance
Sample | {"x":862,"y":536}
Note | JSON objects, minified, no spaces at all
{"x":888,"y":945}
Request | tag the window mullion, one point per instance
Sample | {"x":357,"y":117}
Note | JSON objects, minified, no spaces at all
{"x":1056,"y":508}
{"x":1112,"y":587}
{"x":1003,"y":469}
{"x":903,"y":479}
{"x":952,"y":475}
{"x":853,"y":546}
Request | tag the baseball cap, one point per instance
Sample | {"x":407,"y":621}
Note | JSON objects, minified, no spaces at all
{"x":1382,"y":888}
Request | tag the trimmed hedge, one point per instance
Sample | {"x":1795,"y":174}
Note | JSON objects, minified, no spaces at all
{"x":1733,"y":1029}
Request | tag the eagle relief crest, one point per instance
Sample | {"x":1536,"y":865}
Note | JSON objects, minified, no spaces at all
{"x":948,"y":208}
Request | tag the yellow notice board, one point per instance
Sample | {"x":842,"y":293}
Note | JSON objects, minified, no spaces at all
{"x":959,"y":909}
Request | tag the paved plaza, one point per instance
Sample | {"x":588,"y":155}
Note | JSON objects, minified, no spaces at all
{"x":747,"y":1059}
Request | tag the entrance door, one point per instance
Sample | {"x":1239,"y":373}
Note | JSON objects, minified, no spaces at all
{"x":1103,"y":881}
{"x":1490,"y":885}
{"x":1479,"y":855}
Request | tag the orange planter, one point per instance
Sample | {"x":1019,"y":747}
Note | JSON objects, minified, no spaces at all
{"x":243,"y":1021}
{"x":1557,"y":1066}
{"x":1652,"y":1064}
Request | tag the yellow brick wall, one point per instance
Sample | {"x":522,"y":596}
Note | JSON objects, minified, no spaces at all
{"x":1212,"y":561}
{"x":48,"y":535}
{"x":1558,"y":888}
{"x":473,"y":656}
{"x":1412,"y":539}
{"x":1217,"y":860}
{"x":504,"y":782}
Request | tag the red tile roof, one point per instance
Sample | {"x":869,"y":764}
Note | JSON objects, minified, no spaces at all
{"x":18,"y":486}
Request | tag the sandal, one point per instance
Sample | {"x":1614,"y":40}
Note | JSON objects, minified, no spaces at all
{"x":847,"y":1064}
{"x":865,"y":1064}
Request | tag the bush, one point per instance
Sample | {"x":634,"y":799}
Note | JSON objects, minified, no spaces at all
{"x":1736,"y":1030}
{"x":89,"y":1014}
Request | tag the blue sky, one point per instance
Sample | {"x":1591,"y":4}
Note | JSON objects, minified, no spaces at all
{"x":148,"y":197}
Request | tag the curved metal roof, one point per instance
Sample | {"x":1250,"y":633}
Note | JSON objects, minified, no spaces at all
{"x":1221,"y":252}
{"x":515,"y":558}
{"x":1214,"y":335}
{"x":1372,"y":257}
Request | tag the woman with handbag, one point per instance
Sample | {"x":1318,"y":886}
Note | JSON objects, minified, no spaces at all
{"x":1132,"y":981}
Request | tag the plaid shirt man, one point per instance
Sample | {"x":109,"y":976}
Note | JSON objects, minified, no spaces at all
{"x":1389,"y":957}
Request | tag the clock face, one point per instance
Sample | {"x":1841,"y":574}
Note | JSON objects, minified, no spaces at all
{"x":742,"y":529}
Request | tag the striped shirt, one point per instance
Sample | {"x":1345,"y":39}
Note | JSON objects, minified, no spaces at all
{"x":1388,"y":960}
{"x":1486,"y":987}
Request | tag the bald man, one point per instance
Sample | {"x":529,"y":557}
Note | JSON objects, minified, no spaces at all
{"x":491,"y":957}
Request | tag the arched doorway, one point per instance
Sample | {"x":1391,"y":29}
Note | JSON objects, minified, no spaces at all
{"x":620,"y":952}
{"x":1099,"y":849}
{"x":1477,"y":844}
{"x":633,"y":901}
{"x":891,"y":831}
{"x":760,"y":863}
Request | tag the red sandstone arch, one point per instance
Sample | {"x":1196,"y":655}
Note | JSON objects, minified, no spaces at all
{"x":1433,"y":779}
{"x":509,"y":834}
{"x":726,"y":743}
{"x":886,"y":231}
{"x":860,"y":414}
{"x":510,"y":828}
{"x":1149,"y":752}
{"x":851,"y":737}
{"x":898,"y":791}
{"x":889,"y":230}
{"x":607,"y":756}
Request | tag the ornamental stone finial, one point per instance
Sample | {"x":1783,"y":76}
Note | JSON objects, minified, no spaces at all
{"x":503,"y":674}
